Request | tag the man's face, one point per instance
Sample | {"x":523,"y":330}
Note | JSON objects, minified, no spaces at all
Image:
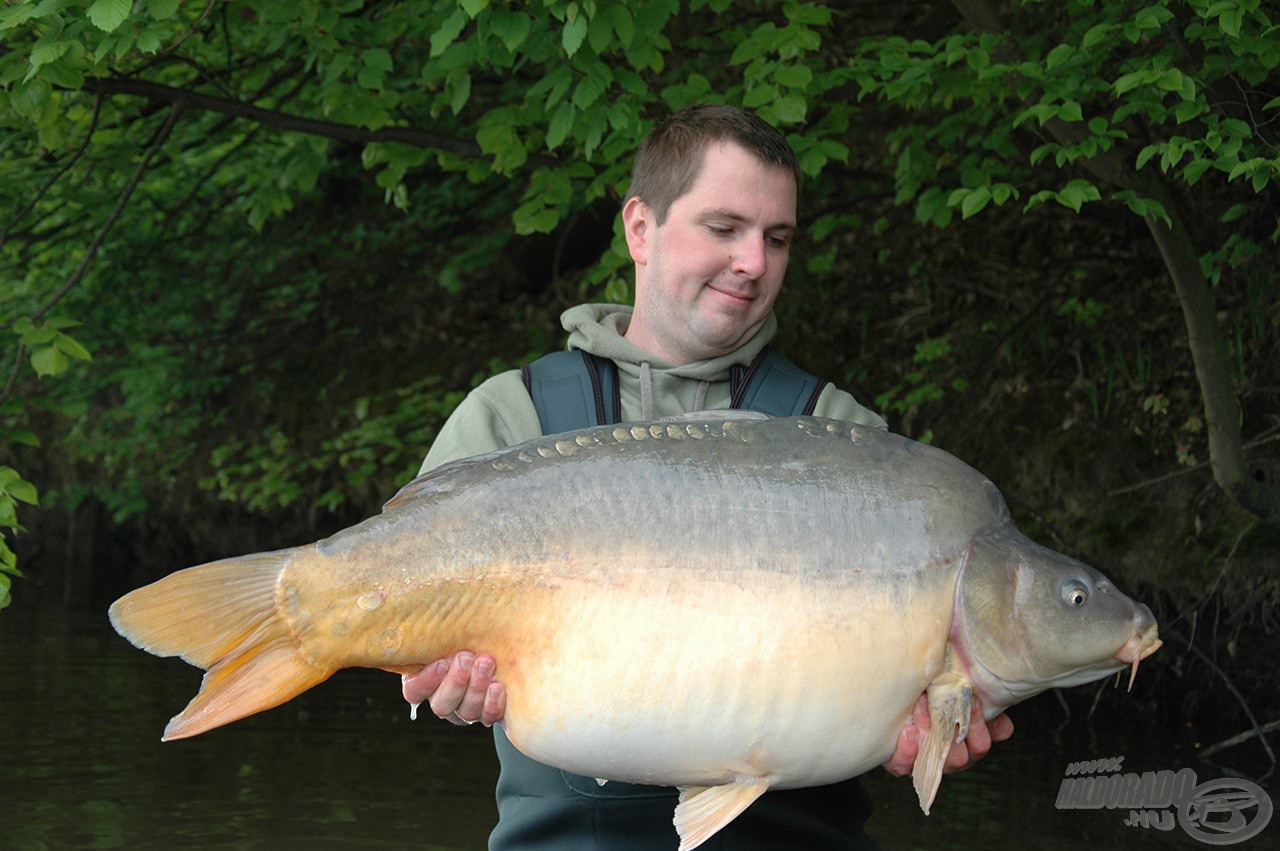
{"x":707,"y":277}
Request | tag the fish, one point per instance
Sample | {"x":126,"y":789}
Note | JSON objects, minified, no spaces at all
{"x":725,"y":603}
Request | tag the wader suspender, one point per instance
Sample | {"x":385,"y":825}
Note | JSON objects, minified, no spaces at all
{"x":573,"y":389}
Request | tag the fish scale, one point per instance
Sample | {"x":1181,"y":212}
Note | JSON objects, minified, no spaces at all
{"x":726,"y":603}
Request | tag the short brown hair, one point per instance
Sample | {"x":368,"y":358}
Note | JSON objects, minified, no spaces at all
{"x":670,"y":157}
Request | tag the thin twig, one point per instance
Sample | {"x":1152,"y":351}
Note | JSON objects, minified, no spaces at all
{"x":203,"y":15}
{"x":39,"y":195}
{"x":1257,"y":728}
{"x":1203,"y":465}
{"x":92,"y":251}
{"x":1241,"y":737}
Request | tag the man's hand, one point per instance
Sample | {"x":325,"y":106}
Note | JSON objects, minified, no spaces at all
{"x":460,"y":690}
{"x":981,"y":735}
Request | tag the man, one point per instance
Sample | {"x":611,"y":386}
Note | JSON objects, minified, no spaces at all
{"x":709,"y":222}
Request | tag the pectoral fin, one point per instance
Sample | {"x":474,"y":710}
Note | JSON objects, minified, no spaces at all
{"x":703,"y":810}
{"x":949,"y":705}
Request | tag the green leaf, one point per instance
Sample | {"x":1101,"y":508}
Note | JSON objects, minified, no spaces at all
{"x":624,"y":24}
{"x":1194,"y":169}
{"x":69,"y":346}
{"x":448,"y":32}
{"x":1096,"y":34}
{"x":1070,"y":111}
{"x":1126,"y":83}
{"x":794,"y":76}
{"x":23,"y":490}
{"x":45,"y":51}
{"x":1076,"y":193}
{"x":21,"y":436}
{"x":1043,"y":151}
{"x":600,"y":33}
{"x":161,"y":9}
{"x":1059,"y":55}
{"x":575,"y":32}
{"x":377,"y":57}
{"x":15,"y":16}
{"x":148,"y":41}
{"x":791,"y":108}
{"x":1230,"y":22}
{"x":1151,"y":17}
{"x":592,"y":86}
{"x":461,"y":93}
{"x":1189,"y":109}
{"x":107,"y":15}
{"x":1170,"y":80}
{"x":1002,"y":192}
{"x":48,"y":361}
{"x":974,"y":202}
{"x":560,"y":125}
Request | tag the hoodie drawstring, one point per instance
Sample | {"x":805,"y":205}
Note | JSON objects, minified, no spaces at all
{"x":700,"y":398}
{"x":646,"y":392}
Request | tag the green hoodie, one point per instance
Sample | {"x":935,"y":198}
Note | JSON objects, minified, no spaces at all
{"x":499,"y":412}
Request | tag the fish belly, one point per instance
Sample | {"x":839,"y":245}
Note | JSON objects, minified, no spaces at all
{"x":698,"y":679}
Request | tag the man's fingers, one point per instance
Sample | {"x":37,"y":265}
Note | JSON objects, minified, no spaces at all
{"x":495,"y":704}
{"x":448,"y":695}
{"x":904,"y":754}
{"x":1001,"y":727}
{"x":977,"y":743}
{"x":470,"y":706}
{"x":920,"y":713}
{"x":418,"y":688}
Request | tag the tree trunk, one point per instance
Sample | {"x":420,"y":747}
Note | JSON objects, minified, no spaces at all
{"x":1208,"y":343}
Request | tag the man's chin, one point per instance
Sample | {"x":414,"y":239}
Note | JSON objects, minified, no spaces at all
{"x":725,"y":331}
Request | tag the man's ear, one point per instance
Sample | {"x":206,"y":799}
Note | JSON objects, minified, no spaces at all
{"x":638,"y":225}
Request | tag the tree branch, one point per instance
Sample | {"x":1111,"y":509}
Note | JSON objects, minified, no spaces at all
{"x":283,"y":121}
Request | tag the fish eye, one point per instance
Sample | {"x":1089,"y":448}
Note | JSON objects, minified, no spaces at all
{"x":1074,"y":593}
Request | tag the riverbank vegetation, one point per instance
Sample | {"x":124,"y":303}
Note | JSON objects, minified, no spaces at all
{"x":254,"y":252}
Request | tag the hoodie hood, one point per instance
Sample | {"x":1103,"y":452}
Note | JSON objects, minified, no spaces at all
{"x":650,"y":386}
{"x":598,"y":329}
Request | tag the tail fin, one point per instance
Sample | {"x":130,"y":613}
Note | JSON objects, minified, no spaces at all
{"x":221,"y":617}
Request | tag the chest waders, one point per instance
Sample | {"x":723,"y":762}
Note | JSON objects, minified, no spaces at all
{"x":546,"y":809}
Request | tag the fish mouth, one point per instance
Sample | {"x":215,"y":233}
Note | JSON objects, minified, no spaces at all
{"x":1139,"y":646}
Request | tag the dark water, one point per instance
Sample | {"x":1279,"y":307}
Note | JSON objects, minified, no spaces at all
{"x":82,"y":766}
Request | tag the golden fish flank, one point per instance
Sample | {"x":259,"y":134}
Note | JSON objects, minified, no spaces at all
{"x":586,"y":561}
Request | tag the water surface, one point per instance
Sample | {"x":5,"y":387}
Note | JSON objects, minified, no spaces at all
{"x":81,"y":712}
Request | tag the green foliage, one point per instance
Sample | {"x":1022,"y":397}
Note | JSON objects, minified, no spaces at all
{"x":1176,"y":86}
{"x":191,"y":182}
{"x":51,"y":348}
{"x":13,"y":489}
{"x":373,"y":437}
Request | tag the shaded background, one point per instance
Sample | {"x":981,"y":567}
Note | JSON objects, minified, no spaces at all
{"x":282,"y":306}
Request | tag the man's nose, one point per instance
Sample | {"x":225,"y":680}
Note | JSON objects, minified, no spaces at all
{"x":749,"y":257}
